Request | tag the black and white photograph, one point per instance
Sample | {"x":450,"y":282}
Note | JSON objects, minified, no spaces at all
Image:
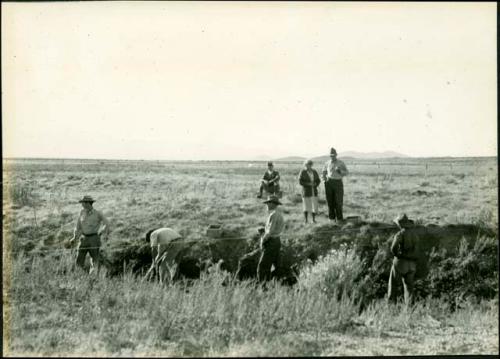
{"x":249,"y":179}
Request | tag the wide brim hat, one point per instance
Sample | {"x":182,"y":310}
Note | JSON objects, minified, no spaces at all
{"x":88,"y":199}
{"x":272,"y":199}
{"x":403,"y":219}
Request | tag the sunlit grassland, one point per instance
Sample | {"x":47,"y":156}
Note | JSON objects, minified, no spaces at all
{"x":191,"y":195}
{"x":54,"y":310}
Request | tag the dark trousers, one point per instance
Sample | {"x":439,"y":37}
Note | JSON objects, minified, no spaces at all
{"x":270,"y":255}
{"x":334,"y":190}
{"x":270,"y":189}
{"x":89,"y":245}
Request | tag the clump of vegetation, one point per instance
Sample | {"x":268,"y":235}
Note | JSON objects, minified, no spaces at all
{"x":335,"y":274}
{"x":471,"y":271}
{"x":215,"y":316}
{"x":22,"y":195}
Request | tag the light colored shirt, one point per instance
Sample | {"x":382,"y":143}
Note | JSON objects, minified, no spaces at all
{"x":164,"y":240}
{"x":311,"y":176}
{"x":331,"y":169}
{"x":89,"y":222}
{"x":275,"y":224}
{"x":163,"y":236}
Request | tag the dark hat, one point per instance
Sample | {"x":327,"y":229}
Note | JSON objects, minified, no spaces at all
{"x":272,"y":199}
{"x":333,"y":151}
{"x":402,"y":219}
{"x":87,"y":199}
{"x":270,"y":163}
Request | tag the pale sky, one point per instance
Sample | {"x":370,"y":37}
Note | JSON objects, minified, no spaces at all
{"x":158,"y":80}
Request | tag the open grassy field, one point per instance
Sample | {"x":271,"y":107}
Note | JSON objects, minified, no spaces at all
{"x":52,"y":309}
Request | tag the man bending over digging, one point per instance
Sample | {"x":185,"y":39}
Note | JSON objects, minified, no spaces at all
{"x":166,"y":245}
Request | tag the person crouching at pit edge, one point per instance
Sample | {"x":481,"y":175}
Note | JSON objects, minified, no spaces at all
{"x":88,"y":230}
{"x":270,"y":242}
{"x":270,"y":181}
{"x":309,"y":180}
{"x":165,"y":245}
{"x":405,"y":248}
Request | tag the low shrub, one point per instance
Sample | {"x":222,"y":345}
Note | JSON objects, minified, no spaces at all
{"x":335,"y":274}
{"x":472,"y":271}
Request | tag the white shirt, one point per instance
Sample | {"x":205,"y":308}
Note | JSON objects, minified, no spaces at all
{"x":331,"y":167}
{"x":89,"y":222}
{"x":275,"y":224}
{"x":163,"y":236}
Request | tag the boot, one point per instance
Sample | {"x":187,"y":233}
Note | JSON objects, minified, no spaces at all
{"x":260,"y":192}
{"x":305,"y":216}
{"x":314,"y":217}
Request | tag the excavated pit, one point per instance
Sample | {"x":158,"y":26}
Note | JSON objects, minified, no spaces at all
{"x":371,"y":240}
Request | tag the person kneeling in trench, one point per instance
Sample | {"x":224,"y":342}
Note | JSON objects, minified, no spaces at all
{"x":166,"y":245}
{"x":405,"y":247}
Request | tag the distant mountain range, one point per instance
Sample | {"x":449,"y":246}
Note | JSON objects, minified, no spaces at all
{"x":347,"y":154}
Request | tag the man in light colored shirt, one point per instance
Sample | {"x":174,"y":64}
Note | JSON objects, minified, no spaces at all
{"x":166,"y":244}
{"x":90,"y":225}
{"x":270,"y":242}
{"x":333,"y":171}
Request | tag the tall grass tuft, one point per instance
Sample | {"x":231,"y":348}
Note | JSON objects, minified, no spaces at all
{"x":335,"y":274}
{"x":22,"y":195}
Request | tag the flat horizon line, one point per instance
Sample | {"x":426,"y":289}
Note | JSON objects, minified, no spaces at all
{"x":229,"y":160}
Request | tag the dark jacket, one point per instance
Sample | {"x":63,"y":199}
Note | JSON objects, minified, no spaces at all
{"x":305,"y":182}
{"x":274,"y":176}
{"x":405,"y":245}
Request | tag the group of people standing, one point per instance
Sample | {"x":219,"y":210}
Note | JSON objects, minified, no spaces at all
{"x":166,"y":243}
{"x":333,"y":172}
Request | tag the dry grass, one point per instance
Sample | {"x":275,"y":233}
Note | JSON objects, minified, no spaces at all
{"x":55,"y":310}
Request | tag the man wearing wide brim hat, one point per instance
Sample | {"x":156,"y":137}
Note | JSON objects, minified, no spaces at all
{"x":270,"y":242}
{"x":405,"y":248}
{"x":86,"y":199}
{"x":90,"y":225}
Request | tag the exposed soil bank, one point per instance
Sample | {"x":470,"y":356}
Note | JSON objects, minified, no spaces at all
{"x":441,"y":246}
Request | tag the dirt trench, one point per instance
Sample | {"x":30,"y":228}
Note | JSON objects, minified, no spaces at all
{"x":371,"y":240}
